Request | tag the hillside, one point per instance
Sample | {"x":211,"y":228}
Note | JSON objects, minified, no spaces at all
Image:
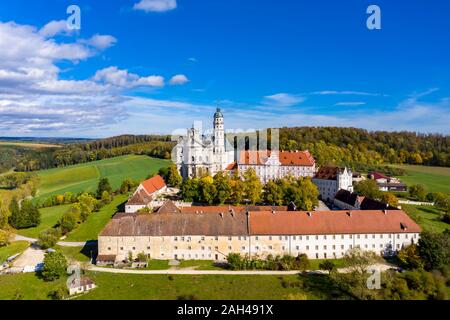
{"x":85,"y":177}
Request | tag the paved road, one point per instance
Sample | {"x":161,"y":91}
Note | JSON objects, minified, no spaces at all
{"x":61,"y":243}
{"x":381,"y":266}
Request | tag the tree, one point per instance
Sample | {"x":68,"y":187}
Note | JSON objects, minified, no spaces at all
{"x":103,"y":185}
{"x":207,"y":190}
{"x":4,"y":238}
{"x":409,"y":257}
{"x":15,"y":218}
{"x":368,"y":188}
{"x":174,"y":178}
{"x":434,"y":249}
{"x":128,"y":185}
{"x":273,"y":194}
{"x":4,"y":214}
{"x":327,"y":265}
{"x":389,"y":198}
{"x":55,"y":266}
{"x":69,"y":220}
{"x":302,"y":192}
{"x":106,"y":197}
{"x":418,"y":192}
{"x":87,"y":205}
{"x":237,"y":189}
{"x":189,"y":189}
{"x":252,"y":186}
{"x":222,"y":185}
{"x":48,"y":238}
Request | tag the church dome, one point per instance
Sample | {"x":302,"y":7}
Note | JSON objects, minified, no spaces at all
{"x":218,"y":114}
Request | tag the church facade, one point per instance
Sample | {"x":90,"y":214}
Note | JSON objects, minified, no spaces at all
{"x":197,"y":154}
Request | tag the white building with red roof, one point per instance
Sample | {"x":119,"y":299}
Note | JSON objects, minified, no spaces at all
{"x":271,"y":165}
{"x":145,"y":193}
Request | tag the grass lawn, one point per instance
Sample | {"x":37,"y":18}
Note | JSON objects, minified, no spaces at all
{"x":427,"y":217}
{"x":49,"y":218}
{"x":85,"y":177}
{"x":155,"y":287}
{"x":90,"y":229}
{"x":199,"y":265}
{"x":26,"y":286}
{"x":314,"y":263}
{"x":158,"y":265}
{"x":436,"y":179}
{"x":74,"y":254}
{"x":12,"y":249}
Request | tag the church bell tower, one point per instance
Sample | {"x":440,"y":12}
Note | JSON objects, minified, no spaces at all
{"x":219,"y":139}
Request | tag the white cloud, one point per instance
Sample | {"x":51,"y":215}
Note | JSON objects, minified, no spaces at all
{"x":178,"y":79}
{"x":156,"y":5}
{"x":283,"y":100}
{"x":100,"y":42}
{"x":122,"y":78}
{"x":54,"y":28}
{"x":355,"y":93}
{"x":350,"y":103}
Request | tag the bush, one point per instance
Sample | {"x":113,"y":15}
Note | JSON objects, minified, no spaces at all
{"x":48,"y":238}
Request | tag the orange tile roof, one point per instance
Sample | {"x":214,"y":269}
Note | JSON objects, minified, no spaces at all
{"x":153,"y":184}
{"x":287,"y":158}
{"x":331,"y":222}
{"x":328,"y":173}
{"x":231,"y":166}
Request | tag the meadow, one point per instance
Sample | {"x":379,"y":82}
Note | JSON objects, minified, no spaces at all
{"x":429,"y":218}
{"x":12,"y":249}
{"x":85,"y":177}
{"x":435,"y":179}
{"x":49,"y":219}
{"x":155,"y":287}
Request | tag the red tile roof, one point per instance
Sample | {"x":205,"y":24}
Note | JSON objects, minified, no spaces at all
{"x":377,"y":175}
{"x":287,"y":158}
{"x":331,"y":222}
{"x":328,"y":173}
{"x":221,"y":222}
{"x":153,"y":184}
{"x":231,"y":166}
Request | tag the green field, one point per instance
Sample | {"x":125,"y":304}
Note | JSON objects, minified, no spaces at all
{"x":436,"y":179}
{"x":77,"y":254}
{"x":49,"y":218}
{"x":90,"y":229}
{"x":85,"y":177}
{"x":154,"y":287}
{"x":429,"y":218}
{"x":12,"y":249}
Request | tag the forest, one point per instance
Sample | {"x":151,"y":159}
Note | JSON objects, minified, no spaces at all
{"x":328,"y":145}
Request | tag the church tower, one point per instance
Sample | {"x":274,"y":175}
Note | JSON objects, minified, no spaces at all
{"x":219,"y":140}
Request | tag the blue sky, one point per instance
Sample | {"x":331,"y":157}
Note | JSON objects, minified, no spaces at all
{"x":153,"y":66}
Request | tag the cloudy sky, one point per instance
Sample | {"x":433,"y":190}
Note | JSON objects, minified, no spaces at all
{"x":153,"y":66}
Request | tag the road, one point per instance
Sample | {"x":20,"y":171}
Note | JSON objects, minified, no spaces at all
{"x":381,"y":266}
{"x":60,"y":243}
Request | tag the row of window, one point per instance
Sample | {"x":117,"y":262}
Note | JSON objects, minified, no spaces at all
{"x":316,"y":237}
{"x":283,"y":248}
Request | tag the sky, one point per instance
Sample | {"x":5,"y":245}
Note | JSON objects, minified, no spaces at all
{"x":155,"y":66}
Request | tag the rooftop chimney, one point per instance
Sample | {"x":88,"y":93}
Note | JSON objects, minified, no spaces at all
{"x":309,"y":214}
{"x":221,"y":215}
{"x":349,"y":213}
{"x":273,"y":211}
{"x":385,"y":211}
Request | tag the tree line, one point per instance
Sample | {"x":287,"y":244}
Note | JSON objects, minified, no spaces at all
{"x":247,"y":188}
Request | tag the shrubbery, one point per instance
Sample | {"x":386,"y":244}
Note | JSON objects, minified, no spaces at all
{"x":282,"y":263}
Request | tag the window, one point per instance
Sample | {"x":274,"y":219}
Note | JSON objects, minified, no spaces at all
{"x":342,"y":246}
{"x":175,"y":238}
{"x":229,"y":247}
{"x":270,"y":238}
{"x":307,"y":237}
{"x":317,"y":237}
{"x":121,"y":248}
{"x":334,"y":247}
{"x":406,"y":236}
{"x":270,"y":247}
{"x":256,"y":238}
{"x":203,"y":248}
{"x":373,"y":236}
{"x":297,"y":248}
{"x":307,"y":247}
{"x":381,"y":236}
{"x":324,"y":247}
{"x":109,"y":248}
{"x":293,"y":237}
{"x":365,"y":236}
{"x":342,"y":236}
{"x":317,"y":247}
{"x":334,"y":237}
{"x":134,"y":248}
{"x":257,"y":248}
{"x":217,"y":238}
{"x":398,"y":236}
{"x":176,"y":248}
{"x":351,"y":236}
{"x":358,"y":236}
{"x":216,"y":248}
{"x":182,"y":238}
{"x":243,"y":248}
{"x":148,"y":248}
{"x":324,"y":237}
{"x":229,"y":238}
{"x":203,"y":238}
{"x":283,"y":248}
{"x":189,"y":248}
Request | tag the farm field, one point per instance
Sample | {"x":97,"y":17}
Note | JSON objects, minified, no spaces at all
{"x":31,"y":145}
{"x":154,"y":287}
{"x":49,"y":218}
{"x":85,"y":177}
{"x":12,"y":249}
{"x":436,"y":179}
{"x":427,"y":217}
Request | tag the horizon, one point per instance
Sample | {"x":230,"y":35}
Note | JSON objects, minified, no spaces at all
{"x":145,"y":67}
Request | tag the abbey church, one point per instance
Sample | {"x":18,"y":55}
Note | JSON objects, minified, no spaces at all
{"x":198,"y":154}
